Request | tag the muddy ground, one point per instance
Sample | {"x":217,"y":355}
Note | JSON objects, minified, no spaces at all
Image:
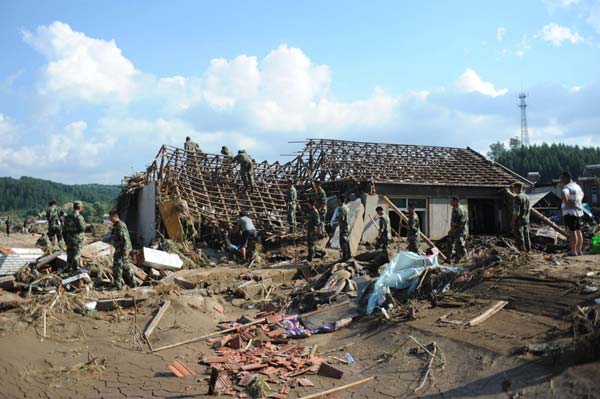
{"x":95,"y":355}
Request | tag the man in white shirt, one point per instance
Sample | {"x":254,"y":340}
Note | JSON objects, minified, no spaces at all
{"x":572,"y":210}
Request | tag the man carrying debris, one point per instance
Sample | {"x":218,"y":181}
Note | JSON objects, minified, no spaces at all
{"x":72,"y":232}
{"x":572,"y":210}
{"x":383,"y":235}
{"x":54,"y":216}
{"x":343,"y":222}
{"x":413,"y":229}
{"x":313,"y":232}
{"x":520,"y":218}
{"x":291,"y":200}
{"x":249,"y":232}
{"x":246,"y":169}
{"x":122,"y":242}
{"x":458,"y":230}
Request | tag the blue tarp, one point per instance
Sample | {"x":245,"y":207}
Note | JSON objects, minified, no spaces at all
{"x":402,"y":272}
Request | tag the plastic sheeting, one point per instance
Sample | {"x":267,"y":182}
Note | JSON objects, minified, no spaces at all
{"x":402,"y":272}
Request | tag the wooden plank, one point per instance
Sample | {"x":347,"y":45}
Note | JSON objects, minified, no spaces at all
{"x":495,"y":308}
{"x":203,"y":337}
{"x":338,"y":389}
{"x":159,"y":315}
{"x":541,"y":217}
{"x":405,"y":219}
{"x":170,"y":219}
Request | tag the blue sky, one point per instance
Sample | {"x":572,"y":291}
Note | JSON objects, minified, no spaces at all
{"x":90,"y":90}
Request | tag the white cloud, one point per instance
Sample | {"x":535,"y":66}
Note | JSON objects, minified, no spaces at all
{"x":284,"y":91}
{"x":81,"y":67}
{"x":520,"y":53}
{"x":594,"y":17}
{"x":557,"y":34}
{"x":470,"y":82}
{"x":71,"y":148}
{"x":7,"y":129}
{"x":500,"y":33}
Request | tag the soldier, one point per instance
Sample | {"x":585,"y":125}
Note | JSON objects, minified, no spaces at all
{"x":383,"y":236}
{"x":291,"y":200}
{"x":520,"y":219}
{"x":313,"y":232}
{"x":320,"y":197}
{"x":54,"y":216}
{"x":458,"y":230}
{"x":73,"y":235}
{"x":191,"y":146}
{"x":413,"y":229}
{"x":226,"y":152}
{"x":246,"y":169}
{"x":343,"y":222}
{"x":122,"y":242}
{"x":44,"y":244}
{"x":187,"y":220}
{"x":249,"y":232}
{"x":8,"y":223}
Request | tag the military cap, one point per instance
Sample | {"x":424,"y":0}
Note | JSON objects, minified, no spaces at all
{"x":77,"y":204}
{"x":517,"y":184}
{"x":411,"y":205}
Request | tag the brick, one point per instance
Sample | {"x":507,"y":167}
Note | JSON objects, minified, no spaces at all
{"x":246,"y":379}
{"x":254,"y":366}
{"x":219,"y":308}
{"x":327,"y":370}
{"x":305,"y":382}
{"x":236,"y":342}
{"x":214,"y":359}
{"x":276,"y":333}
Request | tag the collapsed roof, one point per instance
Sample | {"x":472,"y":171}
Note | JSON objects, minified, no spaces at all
{"x":212,"y":186}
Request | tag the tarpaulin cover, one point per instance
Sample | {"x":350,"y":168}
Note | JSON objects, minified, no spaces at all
{"x":403,"y":271}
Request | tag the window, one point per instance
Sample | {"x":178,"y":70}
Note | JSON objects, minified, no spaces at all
{"x":595,"y":194}
{"x":420,"y":208}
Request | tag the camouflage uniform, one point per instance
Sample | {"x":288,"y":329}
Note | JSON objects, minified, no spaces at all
{"x":343,"y":222}
{"x":521,"y":211}
{"x":413,"y":231}
{"x":73,"y":235}
{"x":193,"y":153}
{"x":246,"y":169}
{"x":121,"y":267}
{"x":313,"y":230}
{"x":384,"y":233}
{"x":226,"y":152}
{"x":53,"y":215}
{"x":459,"y":223}
{"x":291,"y":199}
{"x":321,"y":203}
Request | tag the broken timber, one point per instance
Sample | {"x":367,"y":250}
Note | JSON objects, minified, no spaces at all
{"x":203,"y":337}
{"x":495,"y":308}
{"x":405,"y":219}
{"x":161,"y":312}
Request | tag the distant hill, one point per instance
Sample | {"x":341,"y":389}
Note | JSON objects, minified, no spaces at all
{"x":30,"y":194}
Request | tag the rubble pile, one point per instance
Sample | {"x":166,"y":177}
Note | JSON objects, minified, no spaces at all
{"x":262,"y":352}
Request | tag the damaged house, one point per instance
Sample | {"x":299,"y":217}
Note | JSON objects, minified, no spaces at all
{"x":426,"y":175}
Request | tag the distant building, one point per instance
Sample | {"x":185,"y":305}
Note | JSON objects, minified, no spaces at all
{"x":534,"y":177}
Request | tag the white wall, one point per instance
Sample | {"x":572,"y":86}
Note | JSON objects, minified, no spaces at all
{"x":440,"y":215}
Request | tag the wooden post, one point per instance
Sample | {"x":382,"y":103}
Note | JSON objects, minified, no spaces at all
{"x":405,"y":219}
{"x":338,"y":389}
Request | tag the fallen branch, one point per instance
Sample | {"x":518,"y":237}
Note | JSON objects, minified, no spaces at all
{"x":338,"y":389}
{"x":425,"y":349}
